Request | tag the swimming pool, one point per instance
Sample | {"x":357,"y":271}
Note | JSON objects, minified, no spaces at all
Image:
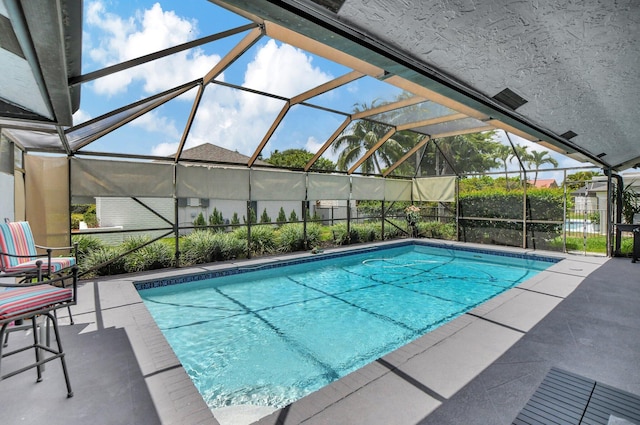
{"x":270,"y":336}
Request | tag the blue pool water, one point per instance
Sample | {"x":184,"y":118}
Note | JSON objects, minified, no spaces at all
{"x":269,"y":337}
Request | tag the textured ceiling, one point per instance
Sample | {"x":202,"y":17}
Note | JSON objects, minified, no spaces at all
{"x":576,"y":63}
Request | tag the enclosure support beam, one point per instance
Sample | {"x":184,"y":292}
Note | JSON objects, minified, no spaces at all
{"x":73,"y":81}
{"x":524,"y":194}
{"x":176,"y":215}
{"x":406,"y":156}
{"x":383,"y":218}
{"x":149,"y":104}
{"x":461,"y":132}
{"x":328,"y":143}
{"x":272,"y":129}
{"x":237,"y":51}
{"x":187,"y":127}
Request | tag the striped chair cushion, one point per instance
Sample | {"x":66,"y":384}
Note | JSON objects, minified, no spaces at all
{"x":17,"y":301}
{"x":16,"y":238}
{"x":57,"y":264}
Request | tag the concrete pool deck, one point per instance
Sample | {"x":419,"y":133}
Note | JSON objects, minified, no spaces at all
{"x":122,"y":367}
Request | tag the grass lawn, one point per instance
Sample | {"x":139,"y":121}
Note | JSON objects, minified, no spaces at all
{"x":597,"y":244}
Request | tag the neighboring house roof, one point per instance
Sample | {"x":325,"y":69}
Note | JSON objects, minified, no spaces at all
{"x":590,"y":188}
{"x":544,"y":183}
{"x":214,"y":153}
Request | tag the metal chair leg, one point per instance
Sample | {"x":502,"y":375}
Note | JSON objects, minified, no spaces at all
{"x":34,"y":327}
{"x":62,"y":354}
{"x":3,"y":328}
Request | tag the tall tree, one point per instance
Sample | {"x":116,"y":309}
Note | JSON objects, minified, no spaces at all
{"x":298,"y":158}
{"x":503,"y":153}
{"x":521,"y":155}
{"x":466,"y":153}
{"x":577,"y":180}
{"x":363,"y":135}
{"x":540,"y":158}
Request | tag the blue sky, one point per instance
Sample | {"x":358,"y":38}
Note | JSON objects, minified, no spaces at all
{"x":116,"y":31}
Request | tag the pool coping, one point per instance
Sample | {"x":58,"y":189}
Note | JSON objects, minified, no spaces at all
{"x":414,"y":379}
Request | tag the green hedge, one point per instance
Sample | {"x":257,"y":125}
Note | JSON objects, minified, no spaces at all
{"x":542,"y":204}
{"x":437,"y":230}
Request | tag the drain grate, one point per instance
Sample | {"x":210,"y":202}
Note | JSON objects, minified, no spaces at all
{"x":566,"y":398}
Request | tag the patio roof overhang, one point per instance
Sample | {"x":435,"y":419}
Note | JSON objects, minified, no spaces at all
{"x":592,"y":121}
{"x":40,"y":48}
{"x":576,"y":66}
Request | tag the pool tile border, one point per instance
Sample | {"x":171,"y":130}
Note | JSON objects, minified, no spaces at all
{"x":235,"y":269}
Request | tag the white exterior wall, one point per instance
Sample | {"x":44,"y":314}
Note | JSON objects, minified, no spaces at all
{"x":586,"y":203}
{"x":332,"y":212}
{"x":186,"y":215}
{"x":273,"y":208}
{"x":128,"y":214}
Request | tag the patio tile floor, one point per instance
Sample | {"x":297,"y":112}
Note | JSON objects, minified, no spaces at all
{"x":580,"y":315}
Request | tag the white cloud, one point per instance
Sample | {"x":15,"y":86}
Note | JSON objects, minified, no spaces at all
{"x":283,"y":70}
{"x":81,"y":116}
{"x":165,"y":149}
{"x":153,"y":122}
{"x":232,"y":120}
{"x":239,"y":120}
{"x":313,"y":145}
{"x":226,"y":117}
{"x":151,"y":30}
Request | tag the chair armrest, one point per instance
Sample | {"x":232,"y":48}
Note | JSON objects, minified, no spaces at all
{"x":73,"y":274}
{"x":54,"y":248}
{"x":23,"y":256}
{"x":32,"y":273}
{"x":73,"y":248}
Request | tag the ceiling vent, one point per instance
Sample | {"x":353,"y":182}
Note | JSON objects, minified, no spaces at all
{"x":568,"y":135}
{"x":510,"y":99}
{"x":332,"y":5}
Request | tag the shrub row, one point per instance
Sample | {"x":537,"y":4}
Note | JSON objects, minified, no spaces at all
{"x":206,"y":246}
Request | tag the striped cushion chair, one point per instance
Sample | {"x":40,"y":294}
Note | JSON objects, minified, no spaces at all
{"x":18,"y":252}
{"x":26,"y":302}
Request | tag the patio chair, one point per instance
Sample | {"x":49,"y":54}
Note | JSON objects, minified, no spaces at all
{"x":19,"y":252}
{"x":27,"y":301}
{"x":19,"y":255}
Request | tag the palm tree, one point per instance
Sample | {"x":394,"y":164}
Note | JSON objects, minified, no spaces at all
{"x":540,"y":158}
{"x":363,"y":136}
{"x":464,"y":153}
{"x":525,"y":158}
{"x":503,"y":153}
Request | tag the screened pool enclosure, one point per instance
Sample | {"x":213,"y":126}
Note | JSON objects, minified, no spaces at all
{"x":377,"y":131}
